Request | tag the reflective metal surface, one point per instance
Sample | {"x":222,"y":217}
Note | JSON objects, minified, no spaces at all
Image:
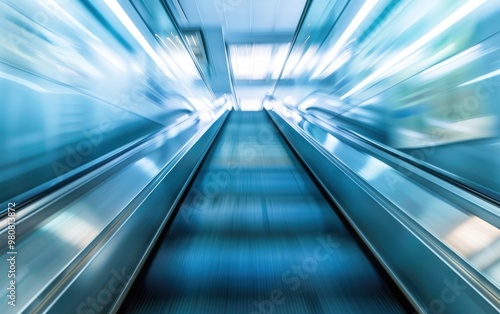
{"x":255,"y":235}
{"x":431,"y":216}
{"x":55,"y":234}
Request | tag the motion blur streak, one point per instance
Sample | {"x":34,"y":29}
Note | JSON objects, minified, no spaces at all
{"x":250,"y":156}
{"x":65,"y":104}
{"x":127,"y":22}
{"x":420,"y":77}
{"x":256,"y":232}
{"x":440,"y":28}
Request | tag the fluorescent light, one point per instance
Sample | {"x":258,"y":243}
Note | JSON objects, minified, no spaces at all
{"x":250,"y":104}
{"x":240,"y":62}
{"x":261,"y":57}
{"x":353,"y":26}
{"x":482,"y":78}
{"x":454,"y":62}
{"x":456,"y":16}
{"x":136,"y":33}
{"x":257,"y":61}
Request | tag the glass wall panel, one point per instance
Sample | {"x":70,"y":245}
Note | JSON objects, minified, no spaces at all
{"x":80,"y":79}
{"x":420,"y":76}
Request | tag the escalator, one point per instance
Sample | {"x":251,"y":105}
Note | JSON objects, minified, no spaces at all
{"x":255,"y":234}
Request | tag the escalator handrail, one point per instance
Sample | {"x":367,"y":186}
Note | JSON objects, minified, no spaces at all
{"x":53,"y":188}
{"x":451,"y":178}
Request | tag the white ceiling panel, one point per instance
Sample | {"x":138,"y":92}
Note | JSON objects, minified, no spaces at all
{"x":258,"y":33}
{"x":264,"y":15}
{"x":244,"y":16}
{"x":257,"y":61}
{"x":289,"y":15}
{"x":238,"y":19}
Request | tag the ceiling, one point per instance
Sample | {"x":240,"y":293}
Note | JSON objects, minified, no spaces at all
{"x":257,"y":36}
{"x":244,"y":17}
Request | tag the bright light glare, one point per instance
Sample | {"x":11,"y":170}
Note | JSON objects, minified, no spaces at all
{"x":279,"y":60}
{"x":456,"y":16}
{"x":296,"y":117}
{"x":355,"y":23}
{"x":72,"y":229}
{"x":453,"y":63}
{"x":136,"y":33}
{"x":373,"y":169}
{"x":330,"y":142}
{"x":269,"y":104}
{"x":482,"y":78}
{"x":291,"y":65}
{"x":199,"y":103}
{"x":149,"y":166}
{"x":305,"y":61}
{"x":179,"y":60}
{"x":340,"y":61}
{"x":257,"y":61}
{"x":250,"y":104}
{"x":472,"y":236}
{"x":251,"y":61}
{"x":110,"y":55}
{"x":290,"y":100}
{"x":207,"y":116}
{"x":308,"y":103}
{"x":286,"y":112}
